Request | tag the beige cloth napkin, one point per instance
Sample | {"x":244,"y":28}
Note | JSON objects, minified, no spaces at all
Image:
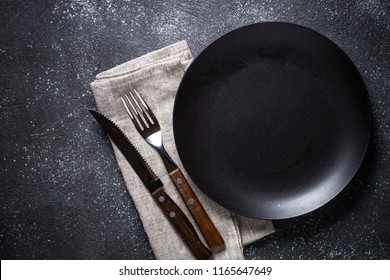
{"x":156,"y":76}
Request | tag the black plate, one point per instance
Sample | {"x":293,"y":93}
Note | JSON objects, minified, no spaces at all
{"x":272,"y":120}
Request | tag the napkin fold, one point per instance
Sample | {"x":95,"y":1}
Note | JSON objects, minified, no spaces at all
{"x":156,"y":76}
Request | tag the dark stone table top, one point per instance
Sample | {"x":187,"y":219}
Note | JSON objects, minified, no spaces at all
{"x":62,"y":194}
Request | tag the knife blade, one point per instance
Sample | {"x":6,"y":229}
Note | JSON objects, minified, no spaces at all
{"x":172,"y":211}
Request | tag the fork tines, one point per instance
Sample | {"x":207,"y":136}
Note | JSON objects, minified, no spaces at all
{"x":138,"y":110}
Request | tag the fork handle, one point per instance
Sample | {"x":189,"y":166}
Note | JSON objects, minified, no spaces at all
{"x":182,"y":224}
{"x":202,"y":219}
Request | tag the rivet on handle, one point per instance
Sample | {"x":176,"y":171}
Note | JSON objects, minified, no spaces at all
{"x":190,"y":201}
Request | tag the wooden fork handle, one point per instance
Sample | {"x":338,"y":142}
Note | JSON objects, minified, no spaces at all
{"x":202,"y":219}
{"x":182,"y":224}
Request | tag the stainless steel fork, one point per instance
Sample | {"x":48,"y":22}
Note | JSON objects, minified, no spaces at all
{"x":147,"y":125}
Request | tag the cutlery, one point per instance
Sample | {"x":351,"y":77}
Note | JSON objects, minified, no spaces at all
{"x":178,"y":219}
{"x":148,"y":126}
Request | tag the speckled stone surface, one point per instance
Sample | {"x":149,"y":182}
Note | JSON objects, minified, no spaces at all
{"x":62,"y":195}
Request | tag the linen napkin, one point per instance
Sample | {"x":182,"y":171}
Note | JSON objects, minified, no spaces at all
{"x":156,"y":76}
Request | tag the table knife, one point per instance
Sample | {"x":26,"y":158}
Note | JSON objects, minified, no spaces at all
{"x":172,"y":211}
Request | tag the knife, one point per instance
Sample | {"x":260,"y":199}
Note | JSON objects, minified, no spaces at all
{"x":172,"y":211}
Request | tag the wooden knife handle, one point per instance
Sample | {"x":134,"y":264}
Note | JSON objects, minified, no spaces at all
{"x":182,"y":224}
{"x":202,"y":219}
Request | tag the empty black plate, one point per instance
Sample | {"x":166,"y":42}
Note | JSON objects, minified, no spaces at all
{"x":272,"y":120}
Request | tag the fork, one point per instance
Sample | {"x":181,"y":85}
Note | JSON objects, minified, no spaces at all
{"x":148,"y":127}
